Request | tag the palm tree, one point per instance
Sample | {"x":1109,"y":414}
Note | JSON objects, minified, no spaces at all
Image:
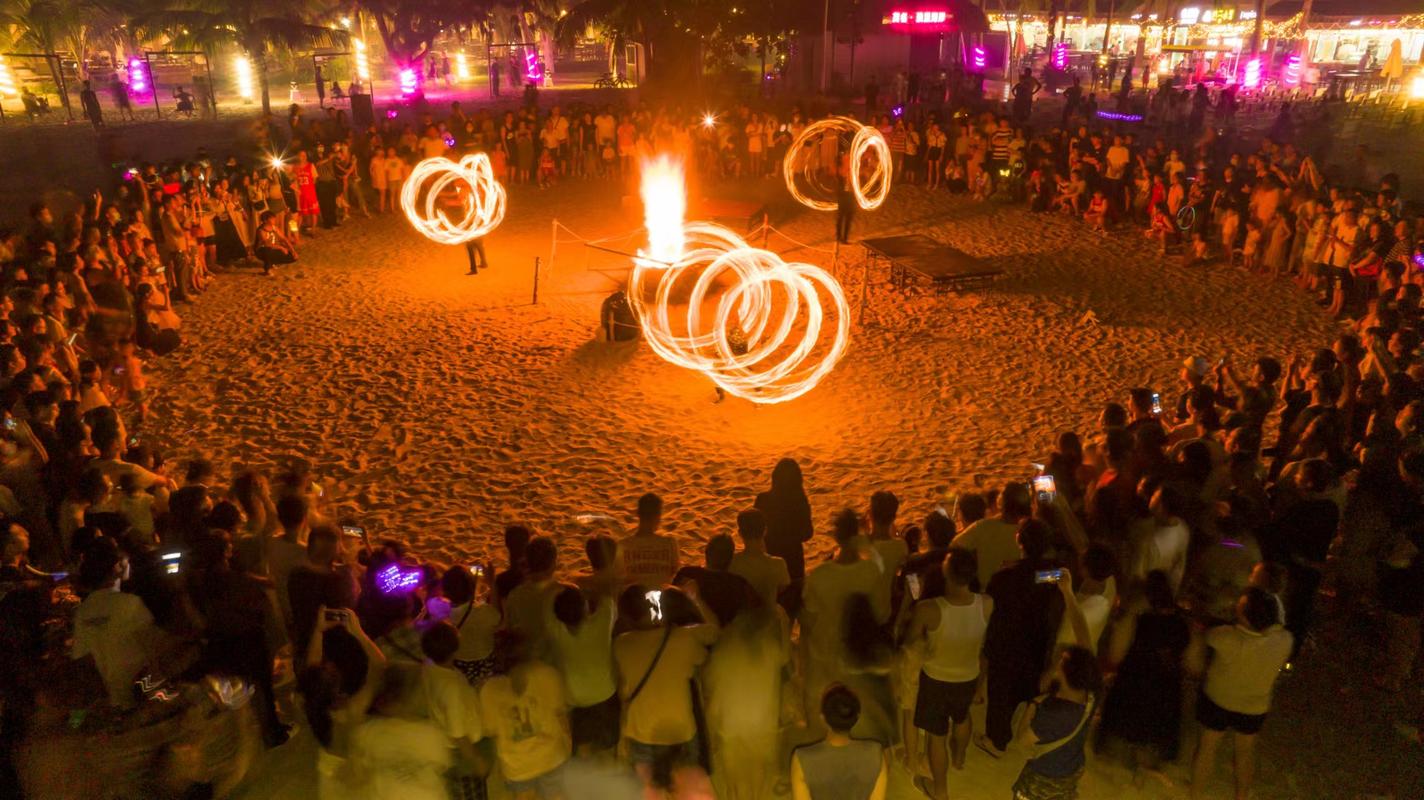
{"x":257,"y":27}
{"x":51,"y":26}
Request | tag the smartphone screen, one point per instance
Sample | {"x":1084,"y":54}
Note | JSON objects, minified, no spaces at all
{"x":1045,"y":487}
{"x":10,"y":424}
{"x":1048,"y":576}
{"x":912,"y":585}
{"x":655,"y":599}
{"x":353,"y":530}
{"x":1156,"y":403}
{"x":477,"y":570}
{"x":335,"y":615}
{"x":171,"y":562}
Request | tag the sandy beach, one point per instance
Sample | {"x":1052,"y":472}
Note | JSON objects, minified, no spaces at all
{"x":437,"y":407}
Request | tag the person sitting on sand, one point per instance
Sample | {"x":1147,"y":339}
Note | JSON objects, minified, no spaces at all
{"x":273,"y":246}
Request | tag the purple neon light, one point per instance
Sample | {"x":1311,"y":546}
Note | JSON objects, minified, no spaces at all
{"x":391,"y":579}
{"x":1118,"y":116}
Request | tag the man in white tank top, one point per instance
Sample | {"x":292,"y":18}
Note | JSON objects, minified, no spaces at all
{"x":949,"y":630}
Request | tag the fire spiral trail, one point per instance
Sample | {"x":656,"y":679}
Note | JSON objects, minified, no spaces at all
{"x":468,"y":187}
{"x":767,"y":337}
{"x":814,"y":183}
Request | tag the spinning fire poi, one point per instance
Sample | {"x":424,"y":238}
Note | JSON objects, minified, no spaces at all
{"x":467,"y":187}
{"x":754,"y":324}
{"x":811,"y":172}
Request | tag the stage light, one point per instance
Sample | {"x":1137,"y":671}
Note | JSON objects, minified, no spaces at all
{"x":980,"y":57}
{"x":449,"y":139}
{"x":7,"y":82}
{"x":138,"y":78}
{"x":870,"y":184}
{"x":1416,"y":88}
{"x":1291,"y":73}
{"x":1251,"y":76}
{"x":363,"y":66}
{"x":346,"y":22}
{"x":462,"y":66}
{"x":531,"y":66}
{"x":1060,"y":56}
{"x":409,"y":81}
{"x":709,"y":120}
{"x":481,"y":202}
{"x":242,"y":68}
{"x":750,"y":346}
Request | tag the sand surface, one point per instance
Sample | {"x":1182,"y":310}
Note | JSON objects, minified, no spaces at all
{"x":437,"y":407}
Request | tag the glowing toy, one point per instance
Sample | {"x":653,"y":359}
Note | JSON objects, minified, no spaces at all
{"x":481,"y":207}
{"x":814,"y":184}
{"x":767,"y":337}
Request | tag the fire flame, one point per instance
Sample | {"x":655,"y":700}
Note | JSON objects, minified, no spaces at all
{"x":768,"y":338}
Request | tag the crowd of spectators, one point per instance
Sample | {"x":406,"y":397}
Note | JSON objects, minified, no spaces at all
{"x":1169,"y":562}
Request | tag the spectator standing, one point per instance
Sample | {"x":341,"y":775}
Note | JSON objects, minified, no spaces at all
{"x":649,"y":558}
{"x":839,"y":767}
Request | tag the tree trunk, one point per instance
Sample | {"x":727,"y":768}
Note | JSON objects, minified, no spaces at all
{"x":259,"y":63}
{"x":1107,"y":28}
{"x":1256,"y":30}
{"x":1053,"y":24}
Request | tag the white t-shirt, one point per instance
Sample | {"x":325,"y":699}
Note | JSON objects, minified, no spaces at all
{"x":400,"y":759}
{"x":994,"y":542}
{"x":1096,"y":609}
{"x":766,"y":573}
{"x":452,"y":703}
{"x":476,"y":630}
{"x":1244,"y":666}
{"x":828,"y":586}
{"x":662,"y":711}
{"x":1164,"y":548}
{"x":117,"y":630}
{"x":585,"y":657}
{"x":530,"y":729}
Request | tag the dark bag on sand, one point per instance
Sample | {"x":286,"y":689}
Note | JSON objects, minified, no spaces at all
{"x":163,"y":342}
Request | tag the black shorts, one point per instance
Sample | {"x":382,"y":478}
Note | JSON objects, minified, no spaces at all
{"x":939,"y":702}
{"x":934,"y":154}
{"x":1214,"y":717}
{"x":596,"y":725}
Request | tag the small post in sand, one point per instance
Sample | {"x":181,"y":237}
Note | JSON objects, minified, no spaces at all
{"x":536,"y":280}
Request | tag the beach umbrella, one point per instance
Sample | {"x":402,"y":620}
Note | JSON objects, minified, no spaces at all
{"x":1393,"y":68}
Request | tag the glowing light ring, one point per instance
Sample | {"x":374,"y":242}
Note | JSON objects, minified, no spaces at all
{"x":483,"y":207}
{"x":800,"y":165}
{"x":766,"y":300}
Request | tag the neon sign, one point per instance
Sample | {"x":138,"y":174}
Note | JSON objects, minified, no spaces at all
{"x":138,"y":77}
{"x":1252,"y":77}
{"x":1292,"y":70}
{"x":920,"y":20}
{"x":1060,"y":56}
{"x":980,"y":57}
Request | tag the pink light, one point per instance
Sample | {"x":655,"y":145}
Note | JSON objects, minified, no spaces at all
{"x":1292,"y":70}
{"x":1060,"y":55}
{"x":531,"y":66}
{"x":409,"y":81}
{"x":923,"y":18}
{"x":1252,"y":76}
{"x":980,"y":58}
{"x":138,"y":80}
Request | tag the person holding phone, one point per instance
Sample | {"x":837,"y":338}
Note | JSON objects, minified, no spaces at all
{"x":1020,"y":635}
{"x":950,"y":630}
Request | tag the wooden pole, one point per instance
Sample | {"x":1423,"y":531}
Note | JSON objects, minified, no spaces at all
{"x":765,"y":229}
{"x":835,"y":258}
{"x":536,"y":280}
{"x":553,"y":242}
{"x":152,"y":87}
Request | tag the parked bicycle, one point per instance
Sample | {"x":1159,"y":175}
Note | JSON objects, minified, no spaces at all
{"x":609,"y":80}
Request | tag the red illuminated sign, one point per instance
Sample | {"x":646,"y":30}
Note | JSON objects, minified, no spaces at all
{"x":919,"y":20}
